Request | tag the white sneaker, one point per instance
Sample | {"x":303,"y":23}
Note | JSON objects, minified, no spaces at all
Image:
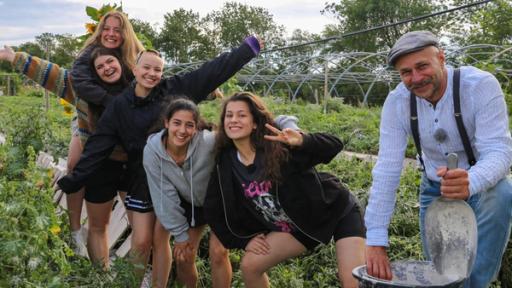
{"x":79,"y":241}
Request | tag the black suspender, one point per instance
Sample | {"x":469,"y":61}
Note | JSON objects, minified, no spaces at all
{"x":414,"y":128}
{"x":458,"y":118}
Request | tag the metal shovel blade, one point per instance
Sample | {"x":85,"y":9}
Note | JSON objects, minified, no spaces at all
{"x":451,"y":234}
{"x":450,"y":227}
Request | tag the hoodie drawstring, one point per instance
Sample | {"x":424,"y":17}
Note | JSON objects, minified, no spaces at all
{"x":161,"y":182}
{"x":193,"y":221}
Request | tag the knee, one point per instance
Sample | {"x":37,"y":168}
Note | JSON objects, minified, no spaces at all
{"x":141,"y":244}
{"x":504,"y":190}
{"x":498,"y":199}
{"x":249,"y":267}
{"x":98,"y":227}
{"x":161,"y":240}
{"x":186,"y":261}
{"x":218,"y":255}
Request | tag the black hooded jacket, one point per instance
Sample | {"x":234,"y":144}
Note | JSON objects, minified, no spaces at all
{"x":128,"y":118}
{"x":314,"y":202}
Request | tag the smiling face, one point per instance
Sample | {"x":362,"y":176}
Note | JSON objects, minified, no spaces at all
{"x":238,"y":121}
{"x":111,"y":35}
{"x":423,"y":73}
{"x":108,"y":68}
{"x":148,"y":70}
{"x":181,"y":127}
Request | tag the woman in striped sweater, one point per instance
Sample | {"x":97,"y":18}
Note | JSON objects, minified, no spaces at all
{"x":58,"y":80}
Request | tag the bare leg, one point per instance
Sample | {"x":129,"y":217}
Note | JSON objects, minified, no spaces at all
{"x":162,"y":258}
{"x":219,"y":263}
{"x":142,"y":240}
{"x":187,"y":270}
{"x":282,"y":246}
{"x":129,"y":213}
{"x":74,"y":200}
{"x":350,"y":253}
{"x":97,"y":238}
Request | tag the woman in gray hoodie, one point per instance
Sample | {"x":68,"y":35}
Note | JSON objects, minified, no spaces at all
{"x":178,"y":161}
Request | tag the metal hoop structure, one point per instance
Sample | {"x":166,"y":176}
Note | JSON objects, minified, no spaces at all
{"x":361,"y":77}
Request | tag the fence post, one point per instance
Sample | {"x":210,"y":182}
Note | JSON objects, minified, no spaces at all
{"x":326,"y":81}
{"x":8,"y":92}
{"x":46,"y":95}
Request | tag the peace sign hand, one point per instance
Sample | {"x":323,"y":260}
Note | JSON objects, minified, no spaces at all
{"x":287,"y":136}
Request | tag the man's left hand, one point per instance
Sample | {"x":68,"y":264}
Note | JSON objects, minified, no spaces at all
{"x":454,"y":183}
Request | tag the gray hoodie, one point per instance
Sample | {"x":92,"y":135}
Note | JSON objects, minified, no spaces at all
{"x":167,"y":181}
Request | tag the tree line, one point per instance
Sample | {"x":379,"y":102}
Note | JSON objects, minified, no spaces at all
{"x":185,"y":36}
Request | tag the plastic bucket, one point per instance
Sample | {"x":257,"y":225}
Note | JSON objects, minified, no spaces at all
{"x":408,"y":274}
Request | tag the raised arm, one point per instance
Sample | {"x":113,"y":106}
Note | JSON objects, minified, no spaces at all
{"x":307,"y":150}
{"x":49,"y":75}
{"x":199,"y":83}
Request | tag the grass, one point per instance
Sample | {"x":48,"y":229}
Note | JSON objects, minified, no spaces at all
{"x":33,"y":254}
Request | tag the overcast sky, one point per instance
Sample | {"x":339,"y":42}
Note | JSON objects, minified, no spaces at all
{"x":22,"y":20}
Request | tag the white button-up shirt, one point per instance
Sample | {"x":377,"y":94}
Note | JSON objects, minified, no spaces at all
{"x":486,"y":120}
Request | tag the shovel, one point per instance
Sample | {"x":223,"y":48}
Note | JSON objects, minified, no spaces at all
{"x":451,"y":233}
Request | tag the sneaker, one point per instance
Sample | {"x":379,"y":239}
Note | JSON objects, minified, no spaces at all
{"x":79,"y":242}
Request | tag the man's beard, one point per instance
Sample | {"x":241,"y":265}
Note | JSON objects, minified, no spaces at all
{"x":421,"y":85}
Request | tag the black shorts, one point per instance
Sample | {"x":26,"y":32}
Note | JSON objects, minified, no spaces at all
{"x":138,"y":198}
{"x":103,"y":184}
{"x":199,"y":218}
{"x":350,"y":225}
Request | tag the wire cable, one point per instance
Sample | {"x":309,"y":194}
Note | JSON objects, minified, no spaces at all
{"x":418,"y":18}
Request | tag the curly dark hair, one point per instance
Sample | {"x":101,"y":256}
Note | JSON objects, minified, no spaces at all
{"x":274,"y":153}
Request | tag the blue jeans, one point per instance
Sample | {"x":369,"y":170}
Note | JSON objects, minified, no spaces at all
{"x":493,"y":211}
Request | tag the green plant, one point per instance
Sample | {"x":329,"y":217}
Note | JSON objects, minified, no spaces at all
{"x":29,"y":223}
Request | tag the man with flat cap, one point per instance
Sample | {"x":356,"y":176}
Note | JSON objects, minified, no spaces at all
{"x":422,"y":106}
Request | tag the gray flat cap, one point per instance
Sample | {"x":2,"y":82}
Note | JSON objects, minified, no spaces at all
{"x":411,"y":42}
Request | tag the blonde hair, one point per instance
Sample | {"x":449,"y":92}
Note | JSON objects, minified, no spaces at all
{"x":131,"y":45}
{"x":152,"y":51}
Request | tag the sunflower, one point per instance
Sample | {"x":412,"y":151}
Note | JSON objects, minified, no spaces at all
{"x":68,"y":108}
{"x":90,"y":27}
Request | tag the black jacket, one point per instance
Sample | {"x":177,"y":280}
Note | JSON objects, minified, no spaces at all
{"x":128,"y":118}
{"x":313,"y":202}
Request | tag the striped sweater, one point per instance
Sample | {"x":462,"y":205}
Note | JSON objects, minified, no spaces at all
{"x":58,"y":80}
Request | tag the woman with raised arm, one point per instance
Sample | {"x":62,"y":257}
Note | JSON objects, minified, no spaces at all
{"x":102,"y":187}
{"x":128,"y":120}
{"x":266,"y":197}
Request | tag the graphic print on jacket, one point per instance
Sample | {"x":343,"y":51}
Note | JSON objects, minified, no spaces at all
{"x":260,"y":196}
